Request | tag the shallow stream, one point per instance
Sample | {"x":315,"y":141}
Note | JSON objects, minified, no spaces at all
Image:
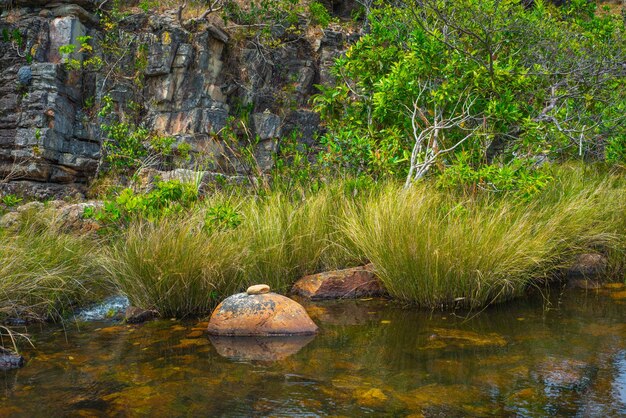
{"x":562,"y":357}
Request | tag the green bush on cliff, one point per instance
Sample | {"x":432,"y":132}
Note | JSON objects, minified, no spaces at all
{"x":165,"y":199}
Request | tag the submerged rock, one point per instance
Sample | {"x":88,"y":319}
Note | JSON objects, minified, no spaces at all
{"x":10,"y":360}
{"x":348,"y":283}
{"x":584,"y":284}
{"x":565,"y":373}
{"x":266,"y":314}
{"x":443,"y":337}
{"x":135,"y":315}
{"x":619,"y":295}
{"x":259,"y":348}
{"x":587,"y":266}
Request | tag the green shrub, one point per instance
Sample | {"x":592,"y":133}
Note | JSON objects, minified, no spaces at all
{"x":319,"y":14}
{"x":183,"y":265}
{"x":10,"y":200}
{"x":165,"y":199}
{"x":174,"y":266}
{"x":288,"y":238}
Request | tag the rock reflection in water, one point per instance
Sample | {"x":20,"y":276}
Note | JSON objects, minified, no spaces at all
{"x":259,"y":348}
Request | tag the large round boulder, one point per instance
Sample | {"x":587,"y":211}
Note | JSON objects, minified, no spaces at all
{"x":260,"y":313}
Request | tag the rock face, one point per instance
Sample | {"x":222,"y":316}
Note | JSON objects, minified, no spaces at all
{"x":192,"y":77}
{"x":68,"y":217}
{"x":260,"y":315}
{"x":348,"y":283}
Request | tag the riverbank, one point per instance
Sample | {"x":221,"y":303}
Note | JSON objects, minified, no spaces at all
{"x":431,"y":248}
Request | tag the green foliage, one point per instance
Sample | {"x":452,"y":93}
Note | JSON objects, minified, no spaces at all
{"x":616,"y":150}
{"x":174,"y":267}
{"x":295,"y":166}
{"x":438,"y":250}
{"x":269,"y":23}
{"x":88,"y":59}
{"x":222,"y":216}
{"x":525,"y":82}
{"x":147,"y":5}
{"x":10,"y":200}
{"x":167,"y":198}
{"x":174,"y":264}
{"x":431,"y":245}
{"x":520,"y":178}
{"x":319,"y":14}
{"x":128,"y":146}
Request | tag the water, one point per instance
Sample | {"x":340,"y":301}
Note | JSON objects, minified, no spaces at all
{"x":372,"y":357}
{"x":110,"y":307}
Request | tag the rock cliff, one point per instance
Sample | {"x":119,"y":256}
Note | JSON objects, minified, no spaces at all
{"x":177,"y":78}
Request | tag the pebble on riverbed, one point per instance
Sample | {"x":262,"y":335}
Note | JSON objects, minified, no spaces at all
{"x":10,"y":360}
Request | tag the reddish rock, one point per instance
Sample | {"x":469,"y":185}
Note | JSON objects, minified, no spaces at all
{"x":266,"y":314}
{"x":349,"y":283}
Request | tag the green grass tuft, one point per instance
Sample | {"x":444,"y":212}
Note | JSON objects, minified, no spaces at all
{"x":438,"y":250}
{"x":45,"y":274}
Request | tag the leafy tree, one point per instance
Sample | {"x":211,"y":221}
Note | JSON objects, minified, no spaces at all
{"x":493,"y":81}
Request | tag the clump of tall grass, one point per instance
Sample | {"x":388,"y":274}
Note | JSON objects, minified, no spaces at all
{"x":437,"y":250}
{"x":290,"y":237}
{"x":184,"y":265}
{"x":174,"y":266}
{"x":46,"y":274}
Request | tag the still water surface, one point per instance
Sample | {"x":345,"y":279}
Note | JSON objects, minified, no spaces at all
{"x":371,"y":357}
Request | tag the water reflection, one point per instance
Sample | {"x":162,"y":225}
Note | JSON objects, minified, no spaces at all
{"x":528,"y":358}
{"x":259,"y":348}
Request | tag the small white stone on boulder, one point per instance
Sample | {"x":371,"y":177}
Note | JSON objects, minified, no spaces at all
{"x":258,"y":289}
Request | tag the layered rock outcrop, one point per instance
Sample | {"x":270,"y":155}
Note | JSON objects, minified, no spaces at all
{"x":42,"y":137}
{"x":192,"y":79}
